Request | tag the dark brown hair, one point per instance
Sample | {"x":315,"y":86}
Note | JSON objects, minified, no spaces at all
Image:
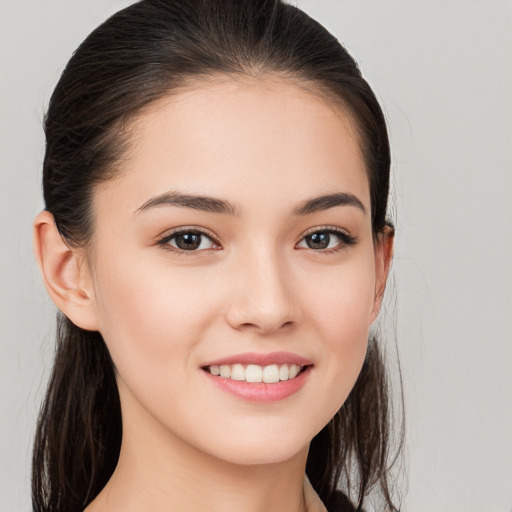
{"x":139,"y":55}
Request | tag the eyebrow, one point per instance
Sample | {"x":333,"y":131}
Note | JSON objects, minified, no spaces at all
{"x":202,"y":203}
{"x":321,"y":203}
{"x":214,"y":205}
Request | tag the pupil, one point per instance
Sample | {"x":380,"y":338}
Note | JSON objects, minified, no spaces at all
{"x":319,"y":240}
{"x":188,"y":241}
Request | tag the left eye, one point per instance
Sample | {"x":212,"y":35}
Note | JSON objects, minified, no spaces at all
{"x":325,"y":239}
{"x":189,"y":241}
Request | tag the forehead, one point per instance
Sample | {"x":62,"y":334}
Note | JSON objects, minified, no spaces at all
{"x":242,"y":138}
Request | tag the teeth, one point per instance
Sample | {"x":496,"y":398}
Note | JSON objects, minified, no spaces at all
{"x":271,"y":373}
{"x":294,"y":371}
{"x":237,"y":372}
{"x":256,"y":373}
{"x":225,"y":371}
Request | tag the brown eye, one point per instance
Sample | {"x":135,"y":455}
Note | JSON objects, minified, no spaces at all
{"x":327,"y":240}
{"x":189,"y":241}
{"x":320,"y":240}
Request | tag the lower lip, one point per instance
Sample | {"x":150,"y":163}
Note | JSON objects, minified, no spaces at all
{"x":261,"y":391}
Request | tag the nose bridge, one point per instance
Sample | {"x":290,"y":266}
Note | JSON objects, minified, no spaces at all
{"x":263,"y":291}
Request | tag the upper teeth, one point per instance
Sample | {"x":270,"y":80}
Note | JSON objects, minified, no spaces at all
{"x":256,"y":373}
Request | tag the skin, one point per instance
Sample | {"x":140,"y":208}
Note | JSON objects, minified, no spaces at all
{"x":265,"y":145}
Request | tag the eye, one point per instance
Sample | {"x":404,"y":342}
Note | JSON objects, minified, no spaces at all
{"x":189,"y":240}
{"x":327,"y":240}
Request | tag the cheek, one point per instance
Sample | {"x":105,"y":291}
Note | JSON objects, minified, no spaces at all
{"x":343,"y":316}
{"x":149,"y":314}
{"x":342,"y":300}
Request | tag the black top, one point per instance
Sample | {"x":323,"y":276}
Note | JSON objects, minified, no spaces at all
{"x":342,"y":504}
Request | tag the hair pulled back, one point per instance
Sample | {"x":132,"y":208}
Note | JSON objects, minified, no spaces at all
{"x":139,"y":55}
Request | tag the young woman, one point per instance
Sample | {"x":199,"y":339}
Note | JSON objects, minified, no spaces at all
{"x":215,"y":238}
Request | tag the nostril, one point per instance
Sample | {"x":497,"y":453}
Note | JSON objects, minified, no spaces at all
{"x":270,"y":327}
{"x":264,"y":314}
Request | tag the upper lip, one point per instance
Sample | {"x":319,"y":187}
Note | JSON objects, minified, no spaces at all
{"x":262,"y":359}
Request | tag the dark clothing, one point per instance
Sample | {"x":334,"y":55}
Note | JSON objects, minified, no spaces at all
{"x":342,"y":504}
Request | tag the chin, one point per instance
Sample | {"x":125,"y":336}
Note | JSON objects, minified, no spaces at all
{"x":262,"y":456}
{"x":260,"y":449}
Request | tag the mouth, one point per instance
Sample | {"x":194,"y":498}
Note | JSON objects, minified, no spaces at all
{"x":257,"y":377}
{"x":255,"y":373}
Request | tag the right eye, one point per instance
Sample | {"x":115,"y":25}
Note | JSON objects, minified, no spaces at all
{"x":188,"y":240}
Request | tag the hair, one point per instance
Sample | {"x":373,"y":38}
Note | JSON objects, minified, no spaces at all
{"x":141,"y":54}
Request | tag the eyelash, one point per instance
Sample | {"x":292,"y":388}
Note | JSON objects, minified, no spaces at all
{"x":346,"y":239}
{"x":164,"y":242}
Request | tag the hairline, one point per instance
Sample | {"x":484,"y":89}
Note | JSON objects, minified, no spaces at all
{"x":123,"y":130}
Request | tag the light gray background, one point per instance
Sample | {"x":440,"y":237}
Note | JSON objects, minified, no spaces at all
{"x":443,"y":73}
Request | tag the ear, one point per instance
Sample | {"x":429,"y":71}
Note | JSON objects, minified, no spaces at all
{"x":383,"y":257}
{"x":65,"y":273}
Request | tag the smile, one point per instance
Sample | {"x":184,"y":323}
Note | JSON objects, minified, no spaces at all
{"x":269,"y":374}
{"x":259,"y":377}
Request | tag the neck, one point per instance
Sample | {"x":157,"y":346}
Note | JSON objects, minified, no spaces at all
{"x":159,"y":482}
{"x":161,"y":472}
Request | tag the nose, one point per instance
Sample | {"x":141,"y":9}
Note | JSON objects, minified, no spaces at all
{"x":263,"y":295}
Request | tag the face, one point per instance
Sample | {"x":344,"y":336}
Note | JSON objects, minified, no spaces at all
{"x":236,"y":239}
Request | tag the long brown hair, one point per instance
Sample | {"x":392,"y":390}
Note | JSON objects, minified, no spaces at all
{"x":139,"y":55}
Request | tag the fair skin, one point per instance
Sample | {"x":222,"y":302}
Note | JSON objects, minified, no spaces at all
{"x":253,"y":285}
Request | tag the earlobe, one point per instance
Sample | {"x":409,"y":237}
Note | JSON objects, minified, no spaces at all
{"x":65,"y":275}
{"x":383,"y":258}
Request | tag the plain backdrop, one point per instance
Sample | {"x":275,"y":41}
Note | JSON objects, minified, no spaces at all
{"x":442,"y":70}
